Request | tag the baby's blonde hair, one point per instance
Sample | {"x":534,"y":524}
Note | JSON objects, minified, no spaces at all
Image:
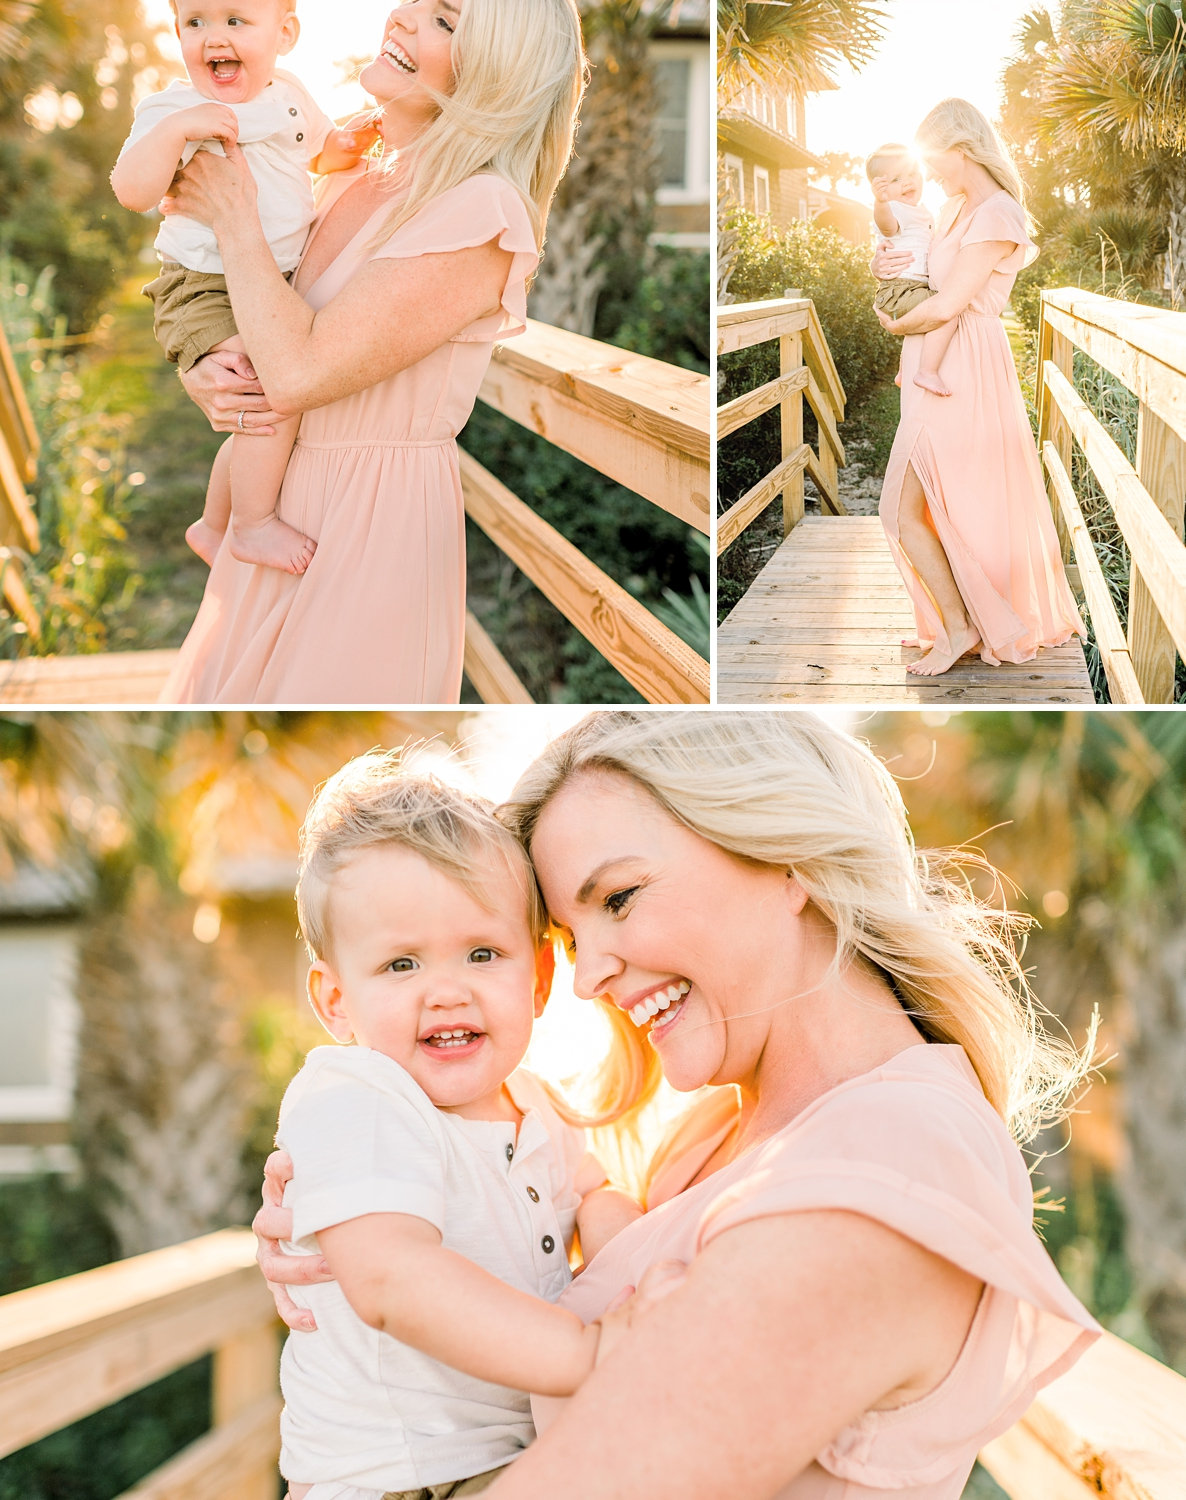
{"x":375,"y":800}
{"x":519,"y":76}
{"x":892,"y":154}
{"x":956,"y":125}
{"x":788,"y":790}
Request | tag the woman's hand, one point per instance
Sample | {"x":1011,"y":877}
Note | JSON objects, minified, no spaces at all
{"x":889,"y":324}
{"x":224,"y":385}
{"x":215,"y":190}
{"x":888,"y":261}
{"x":272,"y":1224}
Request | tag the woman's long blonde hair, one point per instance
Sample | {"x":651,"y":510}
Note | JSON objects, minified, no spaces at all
{"x":519,"y":77}
{"x":956,"y":125}
{"x":788,"y":790}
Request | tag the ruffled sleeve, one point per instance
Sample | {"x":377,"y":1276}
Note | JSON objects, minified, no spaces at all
{"x":916,"y":1147}
{"x":480,"y":209}
{"x":1001,"y":217}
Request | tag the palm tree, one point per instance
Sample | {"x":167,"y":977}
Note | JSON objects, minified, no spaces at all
{"x":801,"y":41}
{"x":1115,"y":95}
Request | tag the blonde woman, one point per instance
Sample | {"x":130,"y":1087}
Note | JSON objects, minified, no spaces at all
{"x":865,"y":1301}
{"x":963,"y":502}
{"x":415,"y":266}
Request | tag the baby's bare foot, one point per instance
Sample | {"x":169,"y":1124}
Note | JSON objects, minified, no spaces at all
{"x":205,"y":540}
{"x":272,"y":543}
{"x":937,"y":661}
{"x":931,"y":382}
{"x":898,"y":379}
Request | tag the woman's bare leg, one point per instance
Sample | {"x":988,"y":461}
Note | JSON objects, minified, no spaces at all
{"x":928,"y":559}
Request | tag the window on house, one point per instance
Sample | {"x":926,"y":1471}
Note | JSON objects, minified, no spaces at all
{"x":38,"y":1021}
{"x":761,"y":190}
{"x":683,"y":125}
{"x":735,"y":178}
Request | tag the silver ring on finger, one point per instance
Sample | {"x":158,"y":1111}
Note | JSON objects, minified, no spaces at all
{"x":242,"y":425}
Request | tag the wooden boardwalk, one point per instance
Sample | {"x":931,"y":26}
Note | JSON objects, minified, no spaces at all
{"x":124,"y":678}
{"x":824,"y":621}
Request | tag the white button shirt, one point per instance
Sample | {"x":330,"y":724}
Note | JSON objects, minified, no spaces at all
{"x":361,"y":1407}
{"x":281,"y":131}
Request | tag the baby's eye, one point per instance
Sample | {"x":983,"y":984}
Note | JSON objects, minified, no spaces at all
{"x":402,"y":965}
{"x":481,"y":955}
{"x":617,"y":901}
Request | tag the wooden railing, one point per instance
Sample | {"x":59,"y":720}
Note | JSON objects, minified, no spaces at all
{"x":636,"y":420}
{"x":1145,"y":349}
{"x":18,"y":466}
{"x":73,"y":1346}
{"x":1114,"y":1426}
{"x":805,"y":369}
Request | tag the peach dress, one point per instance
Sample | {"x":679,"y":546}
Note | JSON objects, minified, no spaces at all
{"x":974,"y":455}
{"x":914,"y":1145}
{"x":379,"y":616}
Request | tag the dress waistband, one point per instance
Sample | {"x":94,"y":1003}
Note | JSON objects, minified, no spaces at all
{"x":377,"y":443}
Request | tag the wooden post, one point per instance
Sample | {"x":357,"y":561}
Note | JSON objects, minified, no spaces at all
{"x":790,"y":357}
{"x":1052,"y":424}
{"x":246,"y":1369}
{"x":1161,"y":467}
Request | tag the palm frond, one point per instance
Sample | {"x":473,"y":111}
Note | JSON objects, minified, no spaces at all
{"x":799,"y":41}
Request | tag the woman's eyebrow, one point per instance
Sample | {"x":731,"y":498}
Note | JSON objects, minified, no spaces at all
{"x":587,"y":889}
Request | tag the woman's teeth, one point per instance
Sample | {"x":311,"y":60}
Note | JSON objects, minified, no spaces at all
{"x":451,"y":1038}
{"x":660,"y":1000}
{"x":396,"y":54}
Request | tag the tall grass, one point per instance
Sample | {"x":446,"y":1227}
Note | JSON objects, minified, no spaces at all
{"x":82,"y":491}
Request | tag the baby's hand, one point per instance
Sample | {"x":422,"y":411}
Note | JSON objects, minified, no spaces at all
{"x":209,"y":122}
{"x":883,"y":188}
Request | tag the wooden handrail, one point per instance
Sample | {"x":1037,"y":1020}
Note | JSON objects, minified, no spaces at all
{"x":806,"y":369}
{"x":1113,"y":1426}
{"x":1145,"y":349}
{"x":19,"y":531}
{"x":74,"y":1346}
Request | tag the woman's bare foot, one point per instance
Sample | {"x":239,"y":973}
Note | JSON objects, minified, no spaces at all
{"x":931,"y":382}
{"x":272,"y":543}
{"x":937,"y":661}
{"x":204,"y":540}
{"x":898,"y":380}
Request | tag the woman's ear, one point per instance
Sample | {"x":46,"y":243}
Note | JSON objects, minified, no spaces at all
{"x":796,"y":893}
{"x":324,"y":989}
{"x":545,"y":972}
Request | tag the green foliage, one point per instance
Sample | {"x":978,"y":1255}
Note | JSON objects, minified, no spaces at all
{"x":80,"y":63}
{"x":797,"y":41}
{"x":667,"y":315}
{"x":49,"y":1227}
{"x":82,"y":492}
{"x":689,"y":616}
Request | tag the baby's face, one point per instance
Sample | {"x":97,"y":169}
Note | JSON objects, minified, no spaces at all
{"x":906,"y":183}
{"x":230,"y":50}
{"x":421,"y":971}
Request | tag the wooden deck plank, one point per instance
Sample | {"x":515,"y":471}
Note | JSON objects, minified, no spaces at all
{"x":125,"y":677}
{"x":825,"y":620}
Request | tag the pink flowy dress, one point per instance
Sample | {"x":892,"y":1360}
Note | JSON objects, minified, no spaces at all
{"x":379,"y":615}
{"x":975,"y":458}
{"x":915,"y":1146}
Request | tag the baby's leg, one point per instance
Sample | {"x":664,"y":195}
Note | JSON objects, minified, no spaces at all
{"x":934,"y":346}
{"x":205,"y":536}
{"x":258,"y":535}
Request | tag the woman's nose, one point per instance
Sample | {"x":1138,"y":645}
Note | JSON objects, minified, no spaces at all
{"x":594,"y":973}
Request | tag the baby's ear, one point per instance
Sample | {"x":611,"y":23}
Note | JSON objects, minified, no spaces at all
{"x":289,"y":34}
{"x":545,"y":972}
{"x":325,"y":996}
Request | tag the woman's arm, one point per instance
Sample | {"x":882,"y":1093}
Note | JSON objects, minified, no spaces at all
{"x":400,"y":1279}
{"x":387,"y":318}
{"x":785,"y":1331}
{"x":141,"y":176}
{"x":969,"y":276}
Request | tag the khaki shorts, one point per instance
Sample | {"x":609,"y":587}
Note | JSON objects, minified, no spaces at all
{"x":191,"y":313}
{"x":473,"y":1486}
{"x":901,"y":295}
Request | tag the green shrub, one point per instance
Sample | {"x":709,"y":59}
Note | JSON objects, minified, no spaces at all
{"x":668,"y":315}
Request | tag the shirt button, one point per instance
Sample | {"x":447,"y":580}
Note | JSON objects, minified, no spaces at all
{"x":510,"y":1152}
{"x":300,"y":135}
{"x":292,"y":111}
{"x":533,"y":1195}
{"x":548,"y":1244}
